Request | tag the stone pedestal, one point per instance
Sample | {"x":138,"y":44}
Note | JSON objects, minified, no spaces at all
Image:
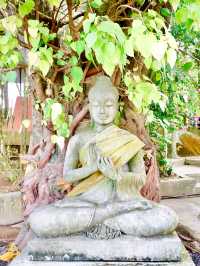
{"x":122,"y":251}
{"x":11,"y":209}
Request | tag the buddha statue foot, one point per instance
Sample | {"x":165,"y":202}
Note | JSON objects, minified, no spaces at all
{"x":102,"y":231}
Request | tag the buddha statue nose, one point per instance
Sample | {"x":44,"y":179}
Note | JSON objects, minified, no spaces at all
{"x":102,"y":110}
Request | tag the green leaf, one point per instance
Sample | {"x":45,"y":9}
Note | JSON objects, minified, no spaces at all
{"x":66,"y":90}
{"x":44,"y":66}
{"x":55,"y":3}
{"x":109,"y":68}
{"x":7,"y":42}
{"x":140,"y":2}
{"x":113,"y":29}
{"x":11,"y":76}
{"x":77,"y":74}
{"x":46,"y":54}
{"x":3,"y":4}
{"x":26,"y":8}
{"x":61,"y":62}
{"x":33,"y":58}
{"x":73,"y":60}
{"x":165,"y":12}
{"x":187,"y":66}
{"x":59,"y":54}
{"x":159,"y":49}
{"x":56,"y":111}
{"x":174,"y":4}
{"x":171,"y":57}
{"x":96,"y":3}
{"x":33,"y":28}
{"x":66,"y":79}
{"x":148,"y":62}
{"x":78,"y":46}
{"x":63,"y":130}
{"x":47,"y":108}
{"x":129,"y":47}
{"x":181,"y":15}
{"x":87,"y":23}
{"x":11,"y":23}
{"x":91,"y":39}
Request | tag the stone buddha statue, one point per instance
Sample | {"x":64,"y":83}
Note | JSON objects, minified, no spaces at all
{"x":105,"y":166}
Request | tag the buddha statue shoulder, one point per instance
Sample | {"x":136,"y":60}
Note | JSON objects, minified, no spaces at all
{"x":106,"y":167}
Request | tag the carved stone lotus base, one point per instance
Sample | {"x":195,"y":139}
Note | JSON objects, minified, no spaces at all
{"x":123,"y":251}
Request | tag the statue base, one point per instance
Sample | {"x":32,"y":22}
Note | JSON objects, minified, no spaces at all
{"x":122,"y":251}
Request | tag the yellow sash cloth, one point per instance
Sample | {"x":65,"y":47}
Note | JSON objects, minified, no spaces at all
{"x":113,"y":142}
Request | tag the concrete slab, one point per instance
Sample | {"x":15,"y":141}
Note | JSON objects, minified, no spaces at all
{"x":177,"y":162}
{"x":188,"y":210}
{"x":193,"y":160}
{"x":177,"y":186}
{"x":197,"y":189}
{"x":23,"y":260}
{"x":184,"y":170}
{"x":124,"y":248}
{"x":10,"y":208}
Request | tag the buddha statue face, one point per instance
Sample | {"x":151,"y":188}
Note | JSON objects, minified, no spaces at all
{"x":103,"y":101}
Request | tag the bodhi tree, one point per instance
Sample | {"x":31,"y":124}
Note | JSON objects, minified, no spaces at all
{"x":148,"y":48}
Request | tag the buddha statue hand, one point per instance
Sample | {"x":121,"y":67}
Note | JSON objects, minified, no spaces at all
{"x":107,"y":168}
{"x":93,"y":155}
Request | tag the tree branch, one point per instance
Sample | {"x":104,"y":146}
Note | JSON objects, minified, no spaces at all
{"x":72,"y":27}
{"x":3,"y":70}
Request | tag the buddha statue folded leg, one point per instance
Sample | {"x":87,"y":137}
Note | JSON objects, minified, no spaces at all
{"x":160,"y":220}
{"x":144,"y":218}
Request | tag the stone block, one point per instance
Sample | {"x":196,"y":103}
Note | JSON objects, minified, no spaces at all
{"x":23,"y":260}
{"x":177,"y":162}
{"x":177,"y":186}
{"x":193,"y":160}
{"x":197,"y":189}
{"x":10,"y":208}
{"x":124,"y":248}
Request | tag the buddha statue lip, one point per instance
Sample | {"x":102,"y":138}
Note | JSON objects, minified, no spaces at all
{"x":106,"y":167}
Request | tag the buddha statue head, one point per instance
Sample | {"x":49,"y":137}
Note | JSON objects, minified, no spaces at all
{"x":103,"y":101}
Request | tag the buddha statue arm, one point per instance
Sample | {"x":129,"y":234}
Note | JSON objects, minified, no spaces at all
{"x":70,"y":172}
{"x":130,"y":183}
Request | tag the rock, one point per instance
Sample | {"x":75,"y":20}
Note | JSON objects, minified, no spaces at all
{"x":10,"y":208}
{"x":124,"y":248}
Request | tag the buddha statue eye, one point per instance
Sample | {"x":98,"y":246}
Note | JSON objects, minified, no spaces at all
{"x":109,"y":104}
{"x":95,"y":104}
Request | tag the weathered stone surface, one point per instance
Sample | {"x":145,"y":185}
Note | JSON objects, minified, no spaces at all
{"x":188,"y":210}
{"x":124,"y":248}
{"x":8,"y":233}
{"x":23,"y":260}
{"x":197,"y":189}
{"x":177,"y":162}
{"x":172,"y":187}
{"x":187,"y":170}
{"x":10,"y":208}
{"x":193,"y":160}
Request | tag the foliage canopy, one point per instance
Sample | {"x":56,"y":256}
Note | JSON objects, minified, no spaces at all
{"x":152,"y":45}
